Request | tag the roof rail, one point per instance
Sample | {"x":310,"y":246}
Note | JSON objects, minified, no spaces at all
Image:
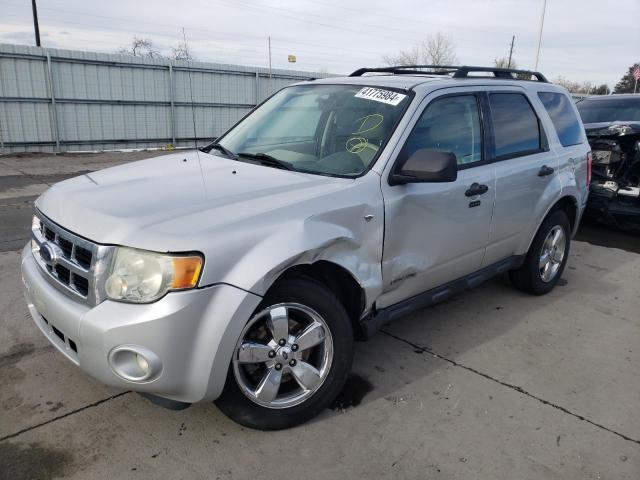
{"x":456,"y":71}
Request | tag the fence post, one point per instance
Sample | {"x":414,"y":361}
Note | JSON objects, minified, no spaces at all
{"x":54,"y":111}
{"x":257,"y":96}
{"x":171,"y":99}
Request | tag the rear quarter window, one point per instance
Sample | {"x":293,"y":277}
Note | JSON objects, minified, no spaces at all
{"x":563,"y":117}
{"x":515,"y":125}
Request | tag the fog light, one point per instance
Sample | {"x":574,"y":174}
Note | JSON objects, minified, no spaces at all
{"x":134,"y":363}
{"x":142,"y":363}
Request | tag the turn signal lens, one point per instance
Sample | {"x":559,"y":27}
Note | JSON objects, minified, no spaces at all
{"x":186,"y":271}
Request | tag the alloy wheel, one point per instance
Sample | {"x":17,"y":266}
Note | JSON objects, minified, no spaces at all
{"x":283,"y":356}
{"x":552,"y":253}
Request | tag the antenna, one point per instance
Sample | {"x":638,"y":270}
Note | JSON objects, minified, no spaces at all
{"x":193,"y":109}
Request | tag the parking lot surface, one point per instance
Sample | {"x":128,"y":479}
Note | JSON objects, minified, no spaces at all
{"x":491,"y":384}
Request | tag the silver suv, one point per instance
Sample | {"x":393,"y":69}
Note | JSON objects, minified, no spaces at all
{"x":242,"y":272}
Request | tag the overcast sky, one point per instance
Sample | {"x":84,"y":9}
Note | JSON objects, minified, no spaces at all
{"x":583,"y":40}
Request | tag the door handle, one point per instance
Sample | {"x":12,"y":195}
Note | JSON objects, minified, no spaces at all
{"x":476,"y":189}
{"x":544,"y":171}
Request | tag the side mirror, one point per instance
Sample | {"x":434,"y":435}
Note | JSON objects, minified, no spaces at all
{"x":427,"y":166}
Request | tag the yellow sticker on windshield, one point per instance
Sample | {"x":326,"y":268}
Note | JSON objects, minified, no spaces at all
{"x":379,"y":95}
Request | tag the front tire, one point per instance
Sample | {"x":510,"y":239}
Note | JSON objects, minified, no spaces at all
{"x":292,"y":358}
{"x":547,"y":256}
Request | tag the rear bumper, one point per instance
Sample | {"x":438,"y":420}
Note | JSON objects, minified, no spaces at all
{"x":192,"y":333}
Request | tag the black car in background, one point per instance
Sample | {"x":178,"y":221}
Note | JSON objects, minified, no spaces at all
{"x":612,"y":124}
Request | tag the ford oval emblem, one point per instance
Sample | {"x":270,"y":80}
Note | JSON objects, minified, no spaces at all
{"x":48,"y":254}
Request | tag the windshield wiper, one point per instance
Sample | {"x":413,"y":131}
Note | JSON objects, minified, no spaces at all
{"x":221,"y":148}
{"x":268,"y":160}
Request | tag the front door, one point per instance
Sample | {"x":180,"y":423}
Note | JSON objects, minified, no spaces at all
{"x":437,"y":232}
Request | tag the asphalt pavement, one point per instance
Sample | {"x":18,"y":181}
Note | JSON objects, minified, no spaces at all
{"x":492,"y":384}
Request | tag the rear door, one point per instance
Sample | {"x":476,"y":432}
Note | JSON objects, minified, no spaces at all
{"x":524,"y":167}
{"x":437,"y":232}
{"x":570,"y":143}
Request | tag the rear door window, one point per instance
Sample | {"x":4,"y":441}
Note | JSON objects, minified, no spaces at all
{"x":516,"y":128}
{"x":563,"y":116}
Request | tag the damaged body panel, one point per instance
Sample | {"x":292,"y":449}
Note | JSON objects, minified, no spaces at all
{"x":263,"y":219}
{"x":613,"y":131}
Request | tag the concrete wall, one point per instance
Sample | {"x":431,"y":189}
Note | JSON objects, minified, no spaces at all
{"x":62,"y":100}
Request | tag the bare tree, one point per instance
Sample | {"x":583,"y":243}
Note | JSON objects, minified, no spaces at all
{"x":437,"y":49}
{"x":440,"y":50}
{"x":182,"y":51}
{"x":404,"y":57}
{"x":504,"y":63}
{"x":586,"y":88}
{"x":141,"y":47}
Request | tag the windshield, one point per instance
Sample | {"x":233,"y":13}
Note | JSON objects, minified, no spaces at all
{"x":325,"y":129}
{"x":609,"y":110}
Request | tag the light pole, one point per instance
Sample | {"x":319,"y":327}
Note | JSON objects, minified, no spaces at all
{"x":35,"y":22}
{"x":513,"y":39}
{"x":544,"y":8}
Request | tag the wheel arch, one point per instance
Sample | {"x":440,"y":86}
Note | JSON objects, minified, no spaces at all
{"x":567,"y":204}
{"x":336,"y":279}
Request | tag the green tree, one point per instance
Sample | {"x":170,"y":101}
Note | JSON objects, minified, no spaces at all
{"x":627,"y":82}
{"x":600,"y":90}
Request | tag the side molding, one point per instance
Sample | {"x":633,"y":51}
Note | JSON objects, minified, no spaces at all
{"x":377,"y":320}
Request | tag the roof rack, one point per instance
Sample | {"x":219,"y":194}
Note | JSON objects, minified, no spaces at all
{"x":456,"y":71}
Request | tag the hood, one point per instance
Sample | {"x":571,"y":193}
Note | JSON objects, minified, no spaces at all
{"x":614,"y":129}
{"x":164,"y":203}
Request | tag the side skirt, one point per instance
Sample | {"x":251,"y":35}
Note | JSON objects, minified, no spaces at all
{"x":379,"y":318}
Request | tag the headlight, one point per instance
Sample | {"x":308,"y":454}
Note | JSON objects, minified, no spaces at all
{"x":139,"y":276}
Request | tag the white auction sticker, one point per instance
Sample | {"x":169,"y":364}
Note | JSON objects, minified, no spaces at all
{"x":379,"y":95}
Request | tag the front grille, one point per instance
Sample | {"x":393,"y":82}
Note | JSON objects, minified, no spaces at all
{"x":81,"y":284}
{"x":63,"y":274}
{"x":68,"y":259}
{"x":60,"y":335}
{"x":83,"y":257}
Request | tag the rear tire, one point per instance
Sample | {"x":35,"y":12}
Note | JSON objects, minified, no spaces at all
{"x":547,"y":256}
{"x":273,"y":383}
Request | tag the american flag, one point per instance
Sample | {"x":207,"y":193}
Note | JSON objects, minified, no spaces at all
{"x":636,"y":72}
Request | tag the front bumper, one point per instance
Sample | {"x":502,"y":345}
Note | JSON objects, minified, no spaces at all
{"x":193,"y":333}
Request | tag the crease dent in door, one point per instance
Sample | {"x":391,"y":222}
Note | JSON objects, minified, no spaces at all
{"x":493,"y":212}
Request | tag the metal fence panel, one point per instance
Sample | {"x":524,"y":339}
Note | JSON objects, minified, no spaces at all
{"x":63,"y":100}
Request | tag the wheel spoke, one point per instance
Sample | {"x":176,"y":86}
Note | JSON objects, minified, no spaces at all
{"x":545,"y":270}
{"x":306,"y":375}
{"x":558,"y":256}
{"x":544,"y":259}
{"x":278,"y":323}
{"x":557,"y":235}
{"x":251,"y":352}
{"x":310,"y":336}
{"x":268,"y":387}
